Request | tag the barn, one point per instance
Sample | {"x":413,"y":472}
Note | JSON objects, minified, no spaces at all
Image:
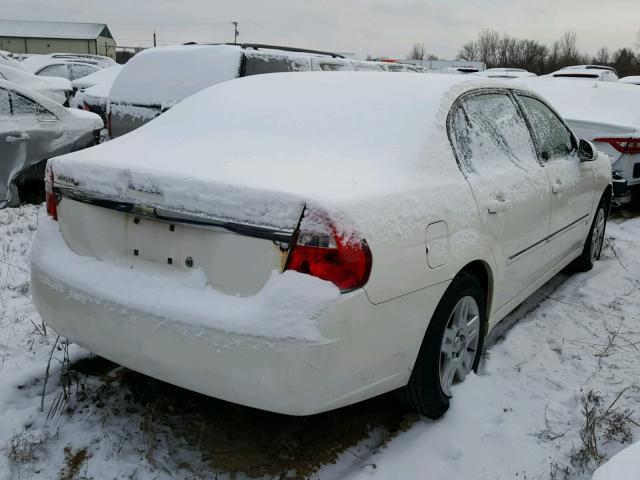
{"x":25,"y":36}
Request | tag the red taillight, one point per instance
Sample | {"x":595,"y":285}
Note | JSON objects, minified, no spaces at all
{"x":109,"y":123}
{"x":328,"y":255}
{"x":50,"y":196}
{"x":622,"y":145}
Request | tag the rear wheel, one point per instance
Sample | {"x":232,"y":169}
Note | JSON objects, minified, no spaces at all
{"x":451,"y":348}
{"x":595,"y":240}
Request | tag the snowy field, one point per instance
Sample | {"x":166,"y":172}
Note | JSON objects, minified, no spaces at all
{"x":557,"y":394}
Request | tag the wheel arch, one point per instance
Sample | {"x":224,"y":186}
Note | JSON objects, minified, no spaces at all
{"x":482,"y":272}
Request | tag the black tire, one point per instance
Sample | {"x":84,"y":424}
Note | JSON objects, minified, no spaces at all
{"x":587,"y":258}
{"x":424,"y":392}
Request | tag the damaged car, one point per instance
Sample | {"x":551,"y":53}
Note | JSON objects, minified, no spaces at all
{"x":34,"y":128}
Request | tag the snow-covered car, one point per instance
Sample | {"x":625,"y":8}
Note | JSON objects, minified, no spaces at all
{"x":105,"y":76}
{"x":58,"y":89}
{"x":34,"y":128}
{"x":504,"y":73}
{"x":180,"y":71}
{"x":93,"y":99}
{"x":587,"y":72}
{"x":364,"y":66}
{"x":65,"y":67}
{"x":607,"y":113}
{"x":631,"y":80}
{"x":396,"y":67}
{"x":283,"y":252}
{"x":458,"y":70}
{"x":8,"y":60}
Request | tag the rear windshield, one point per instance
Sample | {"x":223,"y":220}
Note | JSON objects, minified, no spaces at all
{"x":163,"y":76}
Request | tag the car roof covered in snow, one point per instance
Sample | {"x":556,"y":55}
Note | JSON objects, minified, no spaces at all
{"x":105,"y":75}
{"x":612,"y":103}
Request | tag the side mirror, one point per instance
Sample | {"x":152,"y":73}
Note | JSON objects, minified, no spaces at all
{"x":587,"y":151}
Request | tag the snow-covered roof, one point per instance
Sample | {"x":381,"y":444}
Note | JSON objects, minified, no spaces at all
{"x":67,"y":30}
{"x":104,"y":76}
{"x":612,"y":103}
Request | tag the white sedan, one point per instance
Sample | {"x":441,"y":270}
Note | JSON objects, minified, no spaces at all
{"x":301,"y":242}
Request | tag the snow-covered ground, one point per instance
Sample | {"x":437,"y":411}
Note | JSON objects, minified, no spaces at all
{"x":556,"y":395}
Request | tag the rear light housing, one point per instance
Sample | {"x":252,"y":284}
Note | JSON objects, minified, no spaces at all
{"x":320,"y":250}
{"x":50,"y":196}
{"x":622,"y":145}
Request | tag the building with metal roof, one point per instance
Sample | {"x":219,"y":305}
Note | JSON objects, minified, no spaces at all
{"x":25,"y":36}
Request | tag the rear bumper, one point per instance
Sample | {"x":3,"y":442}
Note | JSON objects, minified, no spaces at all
{"x":364,"y":350}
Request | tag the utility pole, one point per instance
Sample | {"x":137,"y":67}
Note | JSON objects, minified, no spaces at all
{"x":235,"y":32}
{"x":154,"y":38}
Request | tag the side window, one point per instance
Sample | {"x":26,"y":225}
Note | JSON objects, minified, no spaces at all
{"x":257,"y":63}
{"x":5,"y":104}
{"x":396,"y":68}
{"x":61,"y":70}
{"x":489,"y":134}
{"x":79,"y":71}
{"x":22,"y":106}
{"x":553,"y":138}
{"x":334,"y":67}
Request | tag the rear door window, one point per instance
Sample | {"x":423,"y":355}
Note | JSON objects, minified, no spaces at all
{"x":79,"y":70}
{"x":489,"y":134}
{"x":256,"y":63}
{"x":21,"y":106}
{"x":553,"y":138}
{"x":334,"y":66}
{"x":61,"y":70}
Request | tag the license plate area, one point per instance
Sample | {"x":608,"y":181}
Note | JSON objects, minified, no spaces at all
{"x":162,"y":242}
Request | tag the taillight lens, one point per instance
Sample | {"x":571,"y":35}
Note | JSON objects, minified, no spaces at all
{"x":50,"y":196}
{"x":326,"y":254}
{"x":622,"y":145}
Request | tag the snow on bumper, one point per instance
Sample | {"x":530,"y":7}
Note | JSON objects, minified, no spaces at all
{"x":173,"y":332}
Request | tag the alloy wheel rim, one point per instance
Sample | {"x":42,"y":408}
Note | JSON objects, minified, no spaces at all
{"x":597,"y":237}
{"x":459,"y":343}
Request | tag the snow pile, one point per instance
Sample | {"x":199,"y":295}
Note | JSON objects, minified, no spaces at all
{"x":165,"y":75}
{"x":286,"y":307}
{"x":623,"y":466}
{"x":259,"y":147}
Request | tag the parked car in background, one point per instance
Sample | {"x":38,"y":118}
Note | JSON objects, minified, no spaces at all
{"x":587,"y":72}
{"x":458,"y":70}
{"x":365,"y":66}
{"x":632,"y":80}
{"x":58,"y":89}
{"x":105,"y":76}
{"x":606,"y":113}
{"x":6,"y":59}
{"x":398,"y":67}
{"x":34,"y":128}
{"x":64,"y":66}
{"x":156,"y":79}
{"x":263,"y":244}
{"x":504,"y":73}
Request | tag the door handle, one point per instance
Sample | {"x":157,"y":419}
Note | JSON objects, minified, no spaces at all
{"x":22,"y":138}
{"x":496,"y":206}
{"x":558,"y":186}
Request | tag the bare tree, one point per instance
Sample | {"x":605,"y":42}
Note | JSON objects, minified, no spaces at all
{"x":638,"y":40}
{"x":602,"y":56}
{"x":431,"y":56}
{"x":418,"y":52}
{"x":468,"y":52}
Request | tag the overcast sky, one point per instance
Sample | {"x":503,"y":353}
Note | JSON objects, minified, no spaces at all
{"x":378,"y":27}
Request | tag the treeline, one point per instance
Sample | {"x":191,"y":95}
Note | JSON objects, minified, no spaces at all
{"x":497,"y":50}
